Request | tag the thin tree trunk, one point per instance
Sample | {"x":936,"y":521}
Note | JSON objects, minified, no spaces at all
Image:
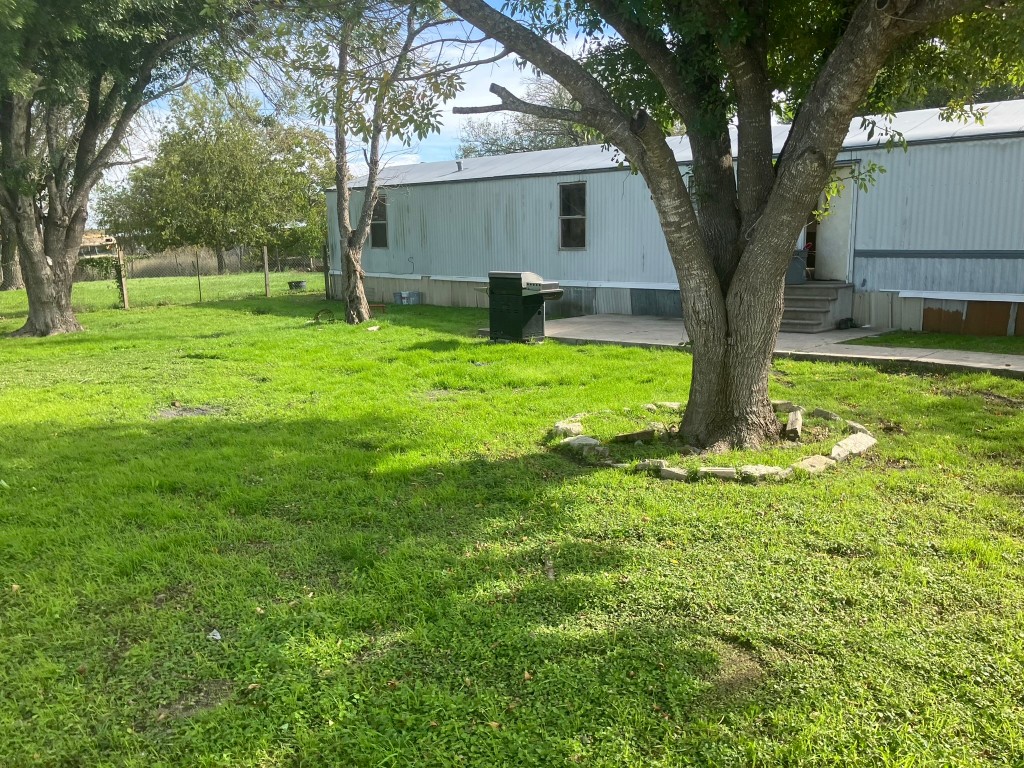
{"x":9,"y":255}
{"x":222,"y":266}
{"x":357,"y":309}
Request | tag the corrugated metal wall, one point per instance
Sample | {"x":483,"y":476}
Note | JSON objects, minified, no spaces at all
{"x":945,"y":217}
{"x":468,"y":229}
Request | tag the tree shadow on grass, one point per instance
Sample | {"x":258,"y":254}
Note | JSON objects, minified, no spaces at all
{"x":382,"y":604}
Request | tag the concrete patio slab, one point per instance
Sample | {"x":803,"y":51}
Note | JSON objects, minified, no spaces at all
{"x":668,"y":332}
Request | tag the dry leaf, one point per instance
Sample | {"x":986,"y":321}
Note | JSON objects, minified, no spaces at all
{"x":527,"y":676}
{"x":15,"y":588}
{"x":494,"y":725}
{"x":392,"y":684}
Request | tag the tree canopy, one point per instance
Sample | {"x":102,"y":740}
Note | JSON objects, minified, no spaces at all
{"x":225,"y":174}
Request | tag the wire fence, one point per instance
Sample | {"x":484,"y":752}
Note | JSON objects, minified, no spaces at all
{"x":190,"y":276}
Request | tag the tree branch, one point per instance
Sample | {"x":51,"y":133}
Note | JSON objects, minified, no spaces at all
{"x":511,"y":103}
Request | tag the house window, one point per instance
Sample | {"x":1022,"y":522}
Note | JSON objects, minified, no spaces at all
{"x":379,"y":224}
{"x":572,"y":216}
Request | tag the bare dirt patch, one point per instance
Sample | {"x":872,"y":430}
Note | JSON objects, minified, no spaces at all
{"x":206,"y":695}
{"x":179,"y":411}
{"x":739,"y":671}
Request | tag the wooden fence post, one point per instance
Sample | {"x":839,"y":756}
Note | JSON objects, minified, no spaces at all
{"x":122,"y":281}
{"x":266,"y":271}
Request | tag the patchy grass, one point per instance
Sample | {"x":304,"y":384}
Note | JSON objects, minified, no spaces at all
{"x":1000,"y":345}
{"x":162,"y":291}
{"x":402,"y":573}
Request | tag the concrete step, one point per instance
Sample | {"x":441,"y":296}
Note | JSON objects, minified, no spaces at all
{"x":806,"y":326}
{"x":816,"y":290}
{"x":818,"y":315}
{"x":808,"y":303}
{"x":796,"y":292}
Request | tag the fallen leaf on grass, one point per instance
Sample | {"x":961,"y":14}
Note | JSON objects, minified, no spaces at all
{"x":373,"y":328}
{"x":214,"y":635}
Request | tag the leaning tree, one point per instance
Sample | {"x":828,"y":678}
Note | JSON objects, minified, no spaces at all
{"x":73,"y":75}
{"x":709,"y":64}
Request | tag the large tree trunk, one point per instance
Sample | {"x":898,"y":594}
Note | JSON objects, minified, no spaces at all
{"x":9,"y":262}
{"x":48,"y":267}
{"x":728,"y":404}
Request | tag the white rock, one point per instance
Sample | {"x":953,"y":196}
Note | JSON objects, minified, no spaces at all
{"x":794,"y":425}
{"x":853,"y":426}
{"x":567,"y":429}
{"x":651,"y":407}
{"x":672,"y":473}
{"x":651,"y":465}
{"x":581,"y":441}
{"x":722,"y":473}
{"x":814,"y":464}
{"x":670,"y":406}
{"x":784,"y":406}
{"x":854,"y":445}
{"x":821,"y":413}
{"x":755,"y":473}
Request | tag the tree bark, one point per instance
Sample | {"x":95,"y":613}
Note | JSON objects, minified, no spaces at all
{"x":48,"y":269}
{"x":357,"y":309}
{"x":9,"y":265}
{"x":222,"y":265}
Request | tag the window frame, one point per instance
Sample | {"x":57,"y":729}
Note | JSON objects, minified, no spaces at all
{"x":583,"y":217}
{"x":382,"y":200}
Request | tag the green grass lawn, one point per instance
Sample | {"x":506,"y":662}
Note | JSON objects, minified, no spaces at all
{"x":160,"y":291}
{"x":403,"y":573}
{"x":1000,"y":345}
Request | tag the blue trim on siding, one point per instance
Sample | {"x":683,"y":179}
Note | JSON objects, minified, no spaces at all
{"x":939,"y":254}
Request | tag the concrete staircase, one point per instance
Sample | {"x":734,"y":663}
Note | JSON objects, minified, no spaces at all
{"x":816,"y":306}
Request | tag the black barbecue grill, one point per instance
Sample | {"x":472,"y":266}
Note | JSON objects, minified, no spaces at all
{"x":517,"y":304}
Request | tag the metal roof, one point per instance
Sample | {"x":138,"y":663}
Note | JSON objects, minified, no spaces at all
{"x":924,"y":125}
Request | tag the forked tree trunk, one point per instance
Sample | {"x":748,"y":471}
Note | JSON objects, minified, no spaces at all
{"x":728,"y":403}
{"x":48,"y":270}
{"x":9,"y":255}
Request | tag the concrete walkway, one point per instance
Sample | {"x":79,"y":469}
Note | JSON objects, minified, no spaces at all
{"x":641,"y":331}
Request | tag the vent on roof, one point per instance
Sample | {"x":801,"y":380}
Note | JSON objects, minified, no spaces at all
{"x":458,"y":164}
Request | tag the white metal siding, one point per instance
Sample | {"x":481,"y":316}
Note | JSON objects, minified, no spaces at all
{"x":966,"y":195}
{"x":467,"y":229}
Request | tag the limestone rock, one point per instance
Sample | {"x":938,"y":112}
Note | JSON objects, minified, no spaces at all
{"x":632,"y":437}
{"x":567,"y":429}
{"x":722,"y":473}
{"x":587,"y":446}
{"x":755,"y":473}
{"x":821,"y":413}
{"x":854,"y":427}
{"x":785,"y":406}
{"x":794,"y":425}
{"x":672,"y":473}
{"x":854,"y":445}
{"x":814,"y":464}
{"x":651,"y":407}
{"x":651,"y":465}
